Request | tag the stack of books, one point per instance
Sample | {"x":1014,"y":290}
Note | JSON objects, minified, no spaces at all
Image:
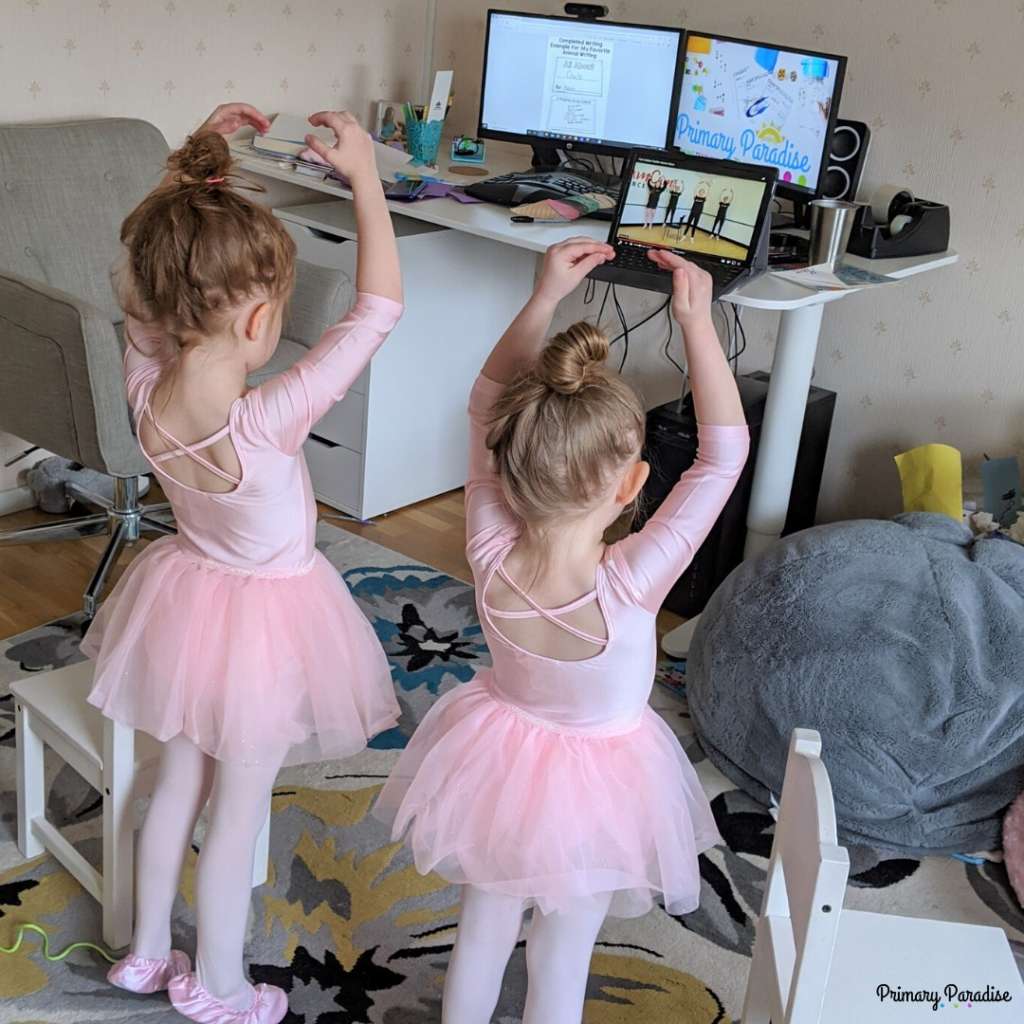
{"x":286,"y":140}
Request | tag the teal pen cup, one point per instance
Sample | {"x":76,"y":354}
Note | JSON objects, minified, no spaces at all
{"x":423,"y":139}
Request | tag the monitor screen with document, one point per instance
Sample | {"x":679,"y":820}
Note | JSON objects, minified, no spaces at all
{"x":594,"y":86}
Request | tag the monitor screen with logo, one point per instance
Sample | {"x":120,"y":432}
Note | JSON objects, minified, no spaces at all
{"x":759,"y":104}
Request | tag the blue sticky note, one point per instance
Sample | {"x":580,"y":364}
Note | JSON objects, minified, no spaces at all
{"x":766,"y":58}
{"x":1000,"y":479}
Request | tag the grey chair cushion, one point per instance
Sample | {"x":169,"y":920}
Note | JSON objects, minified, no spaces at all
{"x":61,"y":385}
{"x":64,"y":191}
{"x":321,"y":295}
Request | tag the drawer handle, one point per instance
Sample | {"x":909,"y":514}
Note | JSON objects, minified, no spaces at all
{"x":326,"y":236}
{"x":323,"y":440}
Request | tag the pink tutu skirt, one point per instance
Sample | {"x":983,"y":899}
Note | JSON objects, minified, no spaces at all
{"x":494,"y":798}
{"x":249,"y":666}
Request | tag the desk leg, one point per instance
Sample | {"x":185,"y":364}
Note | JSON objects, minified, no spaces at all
{"x":780,"y":438}
{"x":783,"y":423}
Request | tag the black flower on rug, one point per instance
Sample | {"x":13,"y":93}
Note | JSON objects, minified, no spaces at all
{"x":422,"y":644}
{"x":310,"y":983}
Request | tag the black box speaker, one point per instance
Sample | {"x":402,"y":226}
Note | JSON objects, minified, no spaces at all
{"x":847,"y":156}
{"x":671,"y":447}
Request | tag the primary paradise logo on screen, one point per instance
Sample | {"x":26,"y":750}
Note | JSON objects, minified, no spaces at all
{"x":756,"y":104}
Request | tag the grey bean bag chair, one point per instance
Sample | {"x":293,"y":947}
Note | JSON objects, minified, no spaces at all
{"x":902,"y":643}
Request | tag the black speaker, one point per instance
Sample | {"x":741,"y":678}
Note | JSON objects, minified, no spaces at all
{"x":847,"y":156}
{"x":671,"y":447}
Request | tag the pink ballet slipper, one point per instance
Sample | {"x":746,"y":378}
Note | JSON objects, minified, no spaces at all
{"x":191,"y":1000}
{"x":145,"y":976}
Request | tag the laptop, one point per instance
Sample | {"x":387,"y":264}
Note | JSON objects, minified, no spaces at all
{"x":713,"y":212}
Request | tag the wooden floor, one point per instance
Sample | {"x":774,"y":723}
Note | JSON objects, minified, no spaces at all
{"x":40,"y":582}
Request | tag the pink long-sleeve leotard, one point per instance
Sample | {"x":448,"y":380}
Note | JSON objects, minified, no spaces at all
{"x":237,"y":632}
{"x":554,"y":780}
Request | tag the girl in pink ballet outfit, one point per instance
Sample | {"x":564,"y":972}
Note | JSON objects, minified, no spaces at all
{"x":547,"y":781}
{"x":235,"y":643}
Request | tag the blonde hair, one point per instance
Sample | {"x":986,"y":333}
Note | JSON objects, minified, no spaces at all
{"x":563,"y":430}
{"x":195,"y":248}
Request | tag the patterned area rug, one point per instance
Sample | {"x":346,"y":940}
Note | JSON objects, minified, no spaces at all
{"x":345,"y":923}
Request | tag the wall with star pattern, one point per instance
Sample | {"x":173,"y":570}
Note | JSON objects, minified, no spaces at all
{"x":937,"y":359}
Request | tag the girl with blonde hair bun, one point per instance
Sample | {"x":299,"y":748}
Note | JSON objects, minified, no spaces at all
{"x":548,"y":782}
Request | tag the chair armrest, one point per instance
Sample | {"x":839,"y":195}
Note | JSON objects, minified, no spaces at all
{"x":321,"y":294}
{"x":61,"y":377}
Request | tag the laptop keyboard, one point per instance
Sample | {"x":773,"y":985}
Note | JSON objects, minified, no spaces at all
{"x":634,"y":257}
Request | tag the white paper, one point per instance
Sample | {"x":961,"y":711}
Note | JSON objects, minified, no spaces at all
{"x":824,"y":278}
{"x":439,"y":97}
{"x":292,"y":128}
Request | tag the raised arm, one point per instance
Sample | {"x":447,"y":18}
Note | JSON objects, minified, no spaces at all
{"x":657,"y":555}
{"x":352,"y":155}
{"x":565,"y":266}
{"x":289,"y":405}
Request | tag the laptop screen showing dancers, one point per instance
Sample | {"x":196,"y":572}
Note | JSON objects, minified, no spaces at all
{"x":709,"y":211}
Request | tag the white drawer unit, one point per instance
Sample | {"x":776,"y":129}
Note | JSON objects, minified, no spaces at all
{"x":400,"y":433}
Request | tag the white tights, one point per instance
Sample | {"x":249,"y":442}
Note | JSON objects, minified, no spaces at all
{"x":239,"y":797}
{"x":558,"y":949}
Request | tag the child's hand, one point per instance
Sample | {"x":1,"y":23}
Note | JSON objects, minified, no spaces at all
{"x":229,"y":117}
{"x":691,"y":288}
{"x":352,"y":154}
{"x":568,"y":263}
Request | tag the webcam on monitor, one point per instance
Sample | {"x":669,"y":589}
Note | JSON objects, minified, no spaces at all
{"x":588,"y":12}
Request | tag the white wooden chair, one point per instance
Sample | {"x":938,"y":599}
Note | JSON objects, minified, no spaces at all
{"x":52,"y":711}
{"x":816,"y":963}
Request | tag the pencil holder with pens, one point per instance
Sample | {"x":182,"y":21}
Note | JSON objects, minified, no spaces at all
{"x":423,"y":138}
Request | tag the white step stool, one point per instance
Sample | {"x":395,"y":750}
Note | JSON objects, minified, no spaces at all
{"x":52,"y":711}
{"x":816,"y":962}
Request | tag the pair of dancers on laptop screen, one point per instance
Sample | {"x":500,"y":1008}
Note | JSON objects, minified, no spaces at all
{"x":657,"y":183}
{"x":546,"y":784}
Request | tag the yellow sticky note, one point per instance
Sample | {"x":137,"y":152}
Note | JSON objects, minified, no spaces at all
{"x":698,"y":44}
{"x":932,"y":478}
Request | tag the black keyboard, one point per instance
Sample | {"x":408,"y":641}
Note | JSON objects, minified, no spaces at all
{"x":533,"y":186}
{"x":635,"y":258}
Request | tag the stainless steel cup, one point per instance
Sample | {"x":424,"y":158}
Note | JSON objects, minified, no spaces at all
{"x":831,"y":224}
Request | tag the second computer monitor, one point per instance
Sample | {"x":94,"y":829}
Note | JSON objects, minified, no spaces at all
{"x":562,"y":83}
{"x":759,"y":104}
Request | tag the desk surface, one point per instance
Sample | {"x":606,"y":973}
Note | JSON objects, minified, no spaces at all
{"x":763,"y":292}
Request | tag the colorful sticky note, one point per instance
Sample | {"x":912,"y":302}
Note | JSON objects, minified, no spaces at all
{"x":698,"y":44}
{"x":766,"y":58}
{"x":932,"y":479}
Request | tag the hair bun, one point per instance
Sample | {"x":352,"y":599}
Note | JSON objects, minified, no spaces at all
{"x":204,"y":155}
{"x":570,"y":358}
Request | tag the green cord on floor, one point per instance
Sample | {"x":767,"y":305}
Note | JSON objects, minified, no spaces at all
{"x":53,"y":958}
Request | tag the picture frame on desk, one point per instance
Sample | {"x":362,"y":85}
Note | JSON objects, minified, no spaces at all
{"x":389,"y":122}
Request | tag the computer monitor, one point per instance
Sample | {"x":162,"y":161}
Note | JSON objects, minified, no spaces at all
{"x":562,"y":83}
{"x":760,"y":104}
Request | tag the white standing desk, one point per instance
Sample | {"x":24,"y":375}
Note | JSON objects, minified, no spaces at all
{"x":796,"y":346}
